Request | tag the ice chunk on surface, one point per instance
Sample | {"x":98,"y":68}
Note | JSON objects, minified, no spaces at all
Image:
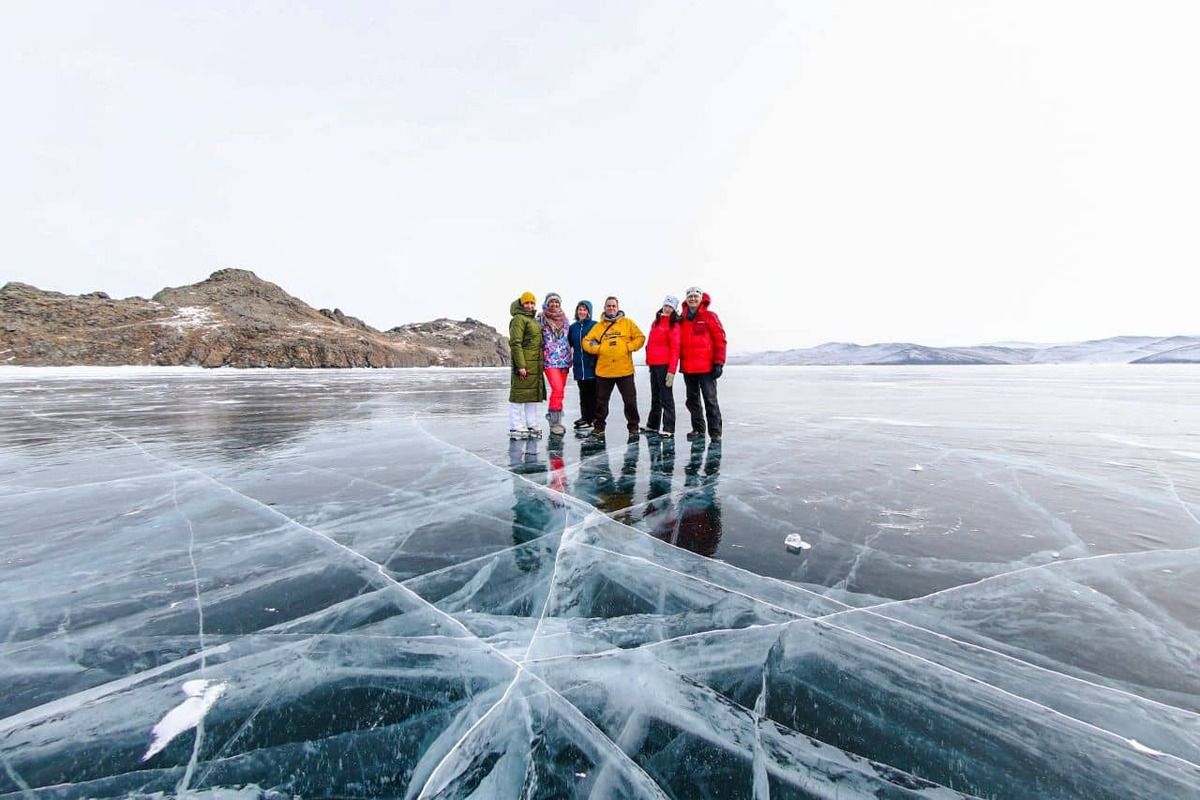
{"x":201,"y":694}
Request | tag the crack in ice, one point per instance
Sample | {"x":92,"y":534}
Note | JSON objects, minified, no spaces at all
{"x":380,"y":569}
{"x":1175,"y":493}
{"x":1018,"y":571}
{"x":441,"y":775}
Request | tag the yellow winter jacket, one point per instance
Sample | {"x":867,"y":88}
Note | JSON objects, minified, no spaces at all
{"x":613,"y":344}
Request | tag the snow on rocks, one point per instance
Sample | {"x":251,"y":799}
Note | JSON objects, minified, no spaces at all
{"x":191,"y":317}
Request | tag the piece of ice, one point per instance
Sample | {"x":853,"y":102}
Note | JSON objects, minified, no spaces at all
{"x":795,"y":543}
{"x":201,"y":695}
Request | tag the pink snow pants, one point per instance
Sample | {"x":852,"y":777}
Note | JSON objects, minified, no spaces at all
{"x":558,"y":383}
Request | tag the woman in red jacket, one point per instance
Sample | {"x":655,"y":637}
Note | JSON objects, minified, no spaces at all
{"x":662,"y":357}
{"x":701,"y":359}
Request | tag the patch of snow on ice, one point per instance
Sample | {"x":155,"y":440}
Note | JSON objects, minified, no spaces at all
{"x":901,"y":423}
{"x":795,"y":542}
{"x":200,"y":698}
{"x":1141,"y":748}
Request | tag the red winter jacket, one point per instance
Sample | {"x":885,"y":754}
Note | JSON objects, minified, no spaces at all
{"x":701,"y":340}
{"x":662,"y":345}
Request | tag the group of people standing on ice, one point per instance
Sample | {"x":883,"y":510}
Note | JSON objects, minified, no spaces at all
{"x":546,"y":347}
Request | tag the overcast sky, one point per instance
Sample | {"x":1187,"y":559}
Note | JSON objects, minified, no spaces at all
{"x":945,"y":172}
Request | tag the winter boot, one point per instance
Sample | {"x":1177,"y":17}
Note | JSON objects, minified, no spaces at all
{"x":556,"y":426}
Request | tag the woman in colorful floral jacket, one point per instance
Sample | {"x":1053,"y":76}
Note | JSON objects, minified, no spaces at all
{"x":556,"y":356}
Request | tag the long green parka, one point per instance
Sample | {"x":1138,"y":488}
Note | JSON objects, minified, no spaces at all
{"x":525,"y":345}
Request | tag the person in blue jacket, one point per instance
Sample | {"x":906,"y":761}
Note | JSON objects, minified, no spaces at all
{"x":583,"y":365}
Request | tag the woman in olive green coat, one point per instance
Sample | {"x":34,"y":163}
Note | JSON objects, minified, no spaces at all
{"x":528,"y":387}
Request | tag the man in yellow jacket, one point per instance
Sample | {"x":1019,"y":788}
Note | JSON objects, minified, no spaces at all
{"x":613,"y":340}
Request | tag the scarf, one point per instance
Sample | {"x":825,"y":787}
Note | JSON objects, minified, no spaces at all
{"x":556,"y":321}
{"x":615,"y":317}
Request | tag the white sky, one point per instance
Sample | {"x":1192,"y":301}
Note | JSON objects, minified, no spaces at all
{"x":946,"y":172}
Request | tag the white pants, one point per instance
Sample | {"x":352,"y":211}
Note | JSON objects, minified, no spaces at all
{"x":523,"y":415}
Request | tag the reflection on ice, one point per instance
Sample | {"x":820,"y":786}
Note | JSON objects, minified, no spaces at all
{"x":351,"y":584}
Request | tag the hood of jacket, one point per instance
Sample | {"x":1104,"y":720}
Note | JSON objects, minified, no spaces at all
{"x":516,"y":309}
{"x":588,"y":303}
{"x":704,"y":301}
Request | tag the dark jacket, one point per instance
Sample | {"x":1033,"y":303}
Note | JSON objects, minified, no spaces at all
{"x":583,"y":363}
{"x":701,"y":339}
{"x":525,"y":346}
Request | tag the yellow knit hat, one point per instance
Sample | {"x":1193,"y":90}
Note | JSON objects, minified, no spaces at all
{"x":528,"y":298}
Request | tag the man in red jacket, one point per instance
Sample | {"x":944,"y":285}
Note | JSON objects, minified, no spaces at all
{"x":701,"y":359}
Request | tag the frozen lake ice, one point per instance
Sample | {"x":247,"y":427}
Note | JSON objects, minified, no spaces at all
{"x":350,"y":584}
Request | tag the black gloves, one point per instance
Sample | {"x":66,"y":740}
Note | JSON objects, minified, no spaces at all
{"x":717,"y":370}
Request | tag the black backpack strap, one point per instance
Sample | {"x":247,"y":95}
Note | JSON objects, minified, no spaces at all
{"x":601,"y":336}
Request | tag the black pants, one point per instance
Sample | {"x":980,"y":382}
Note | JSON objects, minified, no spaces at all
{"x":587,"y":400}
{"x":703,"y":386}
{"x":628,"y":390}
{"x":662,"y":401}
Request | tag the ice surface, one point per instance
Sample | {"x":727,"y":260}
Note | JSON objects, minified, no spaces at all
{"x":351,"y":584}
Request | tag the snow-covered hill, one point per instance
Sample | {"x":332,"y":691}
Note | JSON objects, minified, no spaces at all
{"x":1117,"y":350}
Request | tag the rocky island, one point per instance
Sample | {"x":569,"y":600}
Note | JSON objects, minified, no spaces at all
{"x":232,"y":319}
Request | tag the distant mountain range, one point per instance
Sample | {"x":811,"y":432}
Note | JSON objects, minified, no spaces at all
{"x":231,"y":319}
{"x":1117,"y":350}
{"x":234,"y":318}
